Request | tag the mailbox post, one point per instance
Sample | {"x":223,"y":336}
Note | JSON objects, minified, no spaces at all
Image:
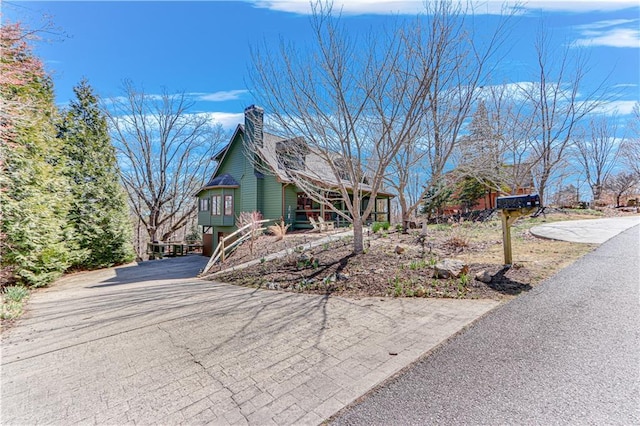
{"x":513,"y":207}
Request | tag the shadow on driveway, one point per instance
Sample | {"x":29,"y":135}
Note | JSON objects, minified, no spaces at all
{"x":152,"y":270}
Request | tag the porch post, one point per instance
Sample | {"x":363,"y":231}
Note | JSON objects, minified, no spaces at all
{"x":389,"y":210}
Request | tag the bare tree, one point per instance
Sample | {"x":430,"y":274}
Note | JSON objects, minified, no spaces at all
{"x":566,"y":196}
{"x":165,"y":152}
{"x":558,"y":102}
{"x":597,"y":152}
{"x":347,"y":107}
{"x":622,"y":184}
{"x":630,"y":149}
{"x":514,"y":130}
{"x":452,"y":65}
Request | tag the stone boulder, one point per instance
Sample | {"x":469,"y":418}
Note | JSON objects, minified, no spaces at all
{"x":484,"y":277}
{"x":450,"y":268}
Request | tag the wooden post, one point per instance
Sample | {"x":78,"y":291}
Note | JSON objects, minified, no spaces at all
{"x":508,"y":217}
{"x":506,"y":237}
{"x":222,"y":249}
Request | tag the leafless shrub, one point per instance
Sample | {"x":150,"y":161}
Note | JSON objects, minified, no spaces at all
{"x":457,"y":242}
{"x":253,"y":219}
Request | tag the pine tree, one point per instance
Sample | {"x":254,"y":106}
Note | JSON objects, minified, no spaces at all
{"x":37,"y":243}
{"x":99,"y":212}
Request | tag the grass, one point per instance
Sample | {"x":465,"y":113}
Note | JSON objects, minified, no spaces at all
{"x":13,"y":298}
{"x":417,"y":265}
{"x":542,"y":257}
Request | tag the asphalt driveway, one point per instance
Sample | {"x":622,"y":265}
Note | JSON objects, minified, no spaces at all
{"x":152,"y":344}
{"x":590,"y":231}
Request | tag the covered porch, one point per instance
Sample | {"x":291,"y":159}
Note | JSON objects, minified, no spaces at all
{"x":306,"y":208}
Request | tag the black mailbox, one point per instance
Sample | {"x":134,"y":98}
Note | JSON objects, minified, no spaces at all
{"x":518,"y":202}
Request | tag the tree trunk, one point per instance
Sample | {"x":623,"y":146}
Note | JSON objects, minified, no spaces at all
{"x":406,"y":219}
{"x":597,"y":192}
{"x":405,"y":212}
{"x":358,"y":240}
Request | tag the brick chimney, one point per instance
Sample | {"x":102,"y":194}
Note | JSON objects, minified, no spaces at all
{"x":253,"y":125}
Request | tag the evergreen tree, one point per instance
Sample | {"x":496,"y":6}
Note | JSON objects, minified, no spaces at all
{"x":480,"y":151}
{"x":37,"y":243}
{"x":99,"y":212}
{"x":469,"y":190}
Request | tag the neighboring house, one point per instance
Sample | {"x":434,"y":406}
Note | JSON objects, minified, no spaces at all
{"x":487,"y":200}
{"x":237,"y":185}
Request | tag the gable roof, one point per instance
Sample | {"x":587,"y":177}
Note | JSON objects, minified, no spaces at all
{"x":316,"y":168}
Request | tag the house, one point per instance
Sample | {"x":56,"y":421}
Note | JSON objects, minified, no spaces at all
{"x":516,"y":180}
{"x":239,"y":185}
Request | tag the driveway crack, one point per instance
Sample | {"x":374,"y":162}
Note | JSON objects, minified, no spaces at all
{"x":196,"y":361}
{"x":185,"y":348}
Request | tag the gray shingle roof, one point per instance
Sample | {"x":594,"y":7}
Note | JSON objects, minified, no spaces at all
{"x":225,"y":180}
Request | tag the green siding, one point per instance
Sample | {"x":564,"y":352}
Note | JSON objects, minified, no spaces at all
{"x":272,"y":198}
{"x":260,"y":194}
{"x":263,"y":194}
{"x":290,"y":203}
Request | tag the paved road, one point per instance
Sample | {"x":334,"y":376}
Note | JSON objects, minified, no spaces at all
{"x":592,"y":231}
{"x":568,"y":352}
{"x":151,"y":344}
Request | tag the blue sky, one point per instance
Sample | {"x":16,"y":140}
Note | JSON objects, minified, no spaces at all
{"x":203,"y":47}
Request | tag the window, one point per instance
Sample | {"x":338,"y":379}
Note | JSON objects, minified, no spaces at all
{"x":228,"y":205}
{"x":204,"y":204}
{"x":216,"y":202}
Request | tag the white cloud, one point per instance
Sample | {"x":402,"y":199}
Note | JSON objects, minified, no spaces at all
{"x":624,"y":85}
{"x":616,"y":37}
{"x":616,"y":107}
{"x":384,"y":7}
{"x":227,"y":95}
{"x":351,"y":7}
{"x":221,"y":96}
{"x":229,"y":120}
{"x":522,"y":90}
{"x":606,"y":24}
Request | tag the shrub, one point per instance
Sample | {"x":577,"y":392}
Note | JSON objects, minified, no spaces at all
{"x":10,"y":310}
{"x":279,"y":230}
{"x":15,"y":293}
{"x":376,"y":226}
{"x":253,"y":219}
{"x":12,"y":301}
{"x":458,"y":242}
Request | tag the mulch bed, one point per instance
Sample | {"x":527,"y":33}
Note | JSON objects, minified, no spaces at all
{"x":393,"y":265}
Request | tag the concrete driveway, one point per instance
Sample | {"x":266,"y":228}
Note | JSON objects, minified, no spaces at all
{"x":151,"y":344}
{"x":590,"y":231}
